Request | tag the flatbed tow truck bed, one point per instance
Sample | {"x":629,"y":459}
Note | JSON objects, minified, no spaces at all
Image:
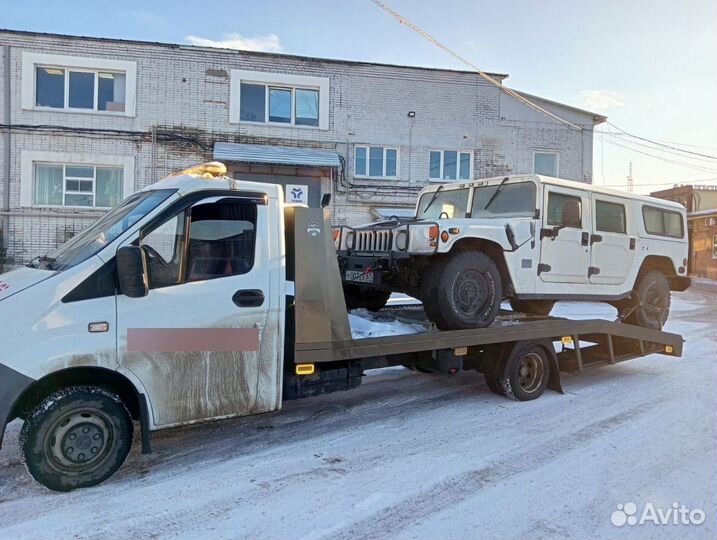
{"x":326,"y":358}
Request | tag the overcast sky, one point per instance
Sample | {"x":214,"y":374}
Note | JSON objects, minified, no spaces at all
{"x":649,"y":65}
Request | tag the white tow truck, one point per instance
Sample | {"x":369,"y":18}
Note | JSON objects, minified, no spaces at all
{"x":201,"y":298}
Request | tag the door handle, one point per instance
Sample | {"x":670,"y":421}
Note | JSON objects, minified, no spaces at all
{"x":248,"y":298}
{"x":595,"y":238}
{"x":585,"y":238}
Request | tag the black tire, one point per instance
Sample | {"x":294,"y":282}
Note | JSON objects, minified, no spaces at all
{"x":534,"y":307}
{"x":494,"y":384}
{"x":469,"y":291}
{"x":429,"y":289}
{"x":652,"y":295}
{"x":363,"y":296}
{"x":61,"y":434}
{"x":526,"y":374}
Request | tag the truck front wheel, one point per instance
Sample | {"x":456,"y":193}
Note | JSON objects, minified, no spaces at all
{"x":77,"y":437}
{"x":469,"y":291}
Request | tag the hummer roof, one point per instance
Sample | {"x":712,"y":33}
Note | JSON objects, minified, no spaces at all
{"x":556,"y":182}
{"x":210,"y":175}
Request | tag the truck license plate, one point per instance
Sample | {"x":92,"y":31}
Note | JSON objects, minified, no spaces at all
{"x":359,"y":276}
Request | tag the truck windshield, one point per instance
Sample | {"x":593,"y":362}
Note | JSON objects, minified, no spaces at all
{"x":103,"y":232}
{"x":513,"y":200}
{"x":449,"y":204}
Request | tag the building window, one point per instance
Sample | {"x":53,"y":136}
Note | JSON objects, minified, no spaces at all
{"x":77,"y":185}
{"x":375,"y":162}
{"x":546,"y":163}
{"x":62,"y":179}
{"x":449,"y":165}
{"x":75,"y":84}
{"x":271,"y":98}
{"x":70,"y":89}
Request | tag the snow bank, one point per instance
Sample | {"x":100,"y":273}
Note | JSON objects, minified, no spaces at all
{"x":365,"y":324}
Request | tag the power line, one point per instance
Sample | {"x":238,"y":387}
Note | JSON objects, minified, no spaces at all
{"x":660,"y":158}
{"x":661,"y":144}
{"x":650,"y":147}
{"x":402,"y":20}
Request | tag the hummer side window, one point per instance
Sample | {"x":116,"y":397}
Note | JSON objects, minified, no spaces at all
{"x":610,"y":217}
{"x":555,"y":208}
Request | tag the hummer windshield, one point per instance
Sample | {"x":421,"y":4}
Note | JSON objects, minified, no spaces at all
{"x":506,"y":200}
{"x":103,"y":232}
{"x":448,"y":204}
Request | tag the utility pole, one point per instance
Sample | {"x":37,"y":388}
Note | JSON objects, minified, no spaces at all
{"x":630,"y":180}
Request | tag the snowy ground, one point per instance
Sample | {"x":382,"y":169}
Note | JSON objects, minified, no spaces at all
{"x":414,"y":456}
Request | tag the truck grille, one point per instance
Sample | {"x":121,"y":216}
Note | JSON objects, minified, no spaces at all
{"x":373,"y":241}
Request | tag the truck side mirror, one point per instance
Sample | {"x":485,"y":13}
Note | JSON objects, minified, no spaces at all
{"x":572,"y":214}
{"x":132,"y":271}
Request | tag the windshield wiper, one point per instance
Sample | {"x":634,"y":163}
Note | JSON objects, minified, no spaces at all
{"x":435,"y":194}
{"x":495,"y":193}
{"x":41,"y":259}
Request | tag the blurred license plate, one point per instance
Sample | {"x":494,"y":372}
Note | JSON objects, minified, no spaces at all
{"x":359,"y":276}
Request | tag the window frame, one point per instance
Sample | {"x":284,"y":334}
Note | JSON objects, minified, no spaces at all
{"x":580,"y":198}
{"x":664,"y":211}
{"x":367,"y":148}
{"x":28,"y":159}
{"x":182,"y":242}
{"x":557,"y":161}
{"x":283,"y":82}
{"x":458,"y":165}
{"x":624,"y":216}
{"x":32,"y":61}
{"x":66,"y":191}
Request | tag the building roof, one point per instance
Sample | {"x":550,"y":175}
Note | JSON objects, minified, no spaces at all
{"x":597,"y":118}
{"x":500,"y":76}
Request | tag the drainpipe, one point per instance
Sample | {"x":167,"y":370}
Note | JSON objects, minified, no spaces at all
{"x":6,"y":157}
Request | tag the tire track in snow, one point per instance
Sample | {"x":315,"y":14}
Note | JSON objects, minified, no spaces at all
{"x":449,"y":492}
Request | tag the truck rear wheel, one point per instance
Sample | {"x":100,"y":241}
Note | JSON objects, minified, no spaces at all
{"x":469,"y":291}
{"x":77,"y":437}
{"x":534,"y":307}
{"x":653,"y":301}
{"x":362,"y":296}
{"x":526,"y":374}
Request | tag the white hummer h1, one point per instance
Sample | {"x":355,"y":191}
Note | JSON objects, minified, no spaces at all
{"x":528,"y":238}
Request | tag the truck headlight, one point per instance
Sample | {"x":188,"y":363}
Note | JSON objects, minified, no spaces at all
{"x":401,"y":241}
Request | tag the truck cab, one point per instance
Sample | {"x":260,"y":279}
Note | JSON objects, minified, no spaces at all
{"x":195,"y":252}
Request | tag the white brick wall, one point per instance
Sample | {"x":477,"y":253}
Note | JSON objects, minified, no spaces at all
{"x":185,"y":90}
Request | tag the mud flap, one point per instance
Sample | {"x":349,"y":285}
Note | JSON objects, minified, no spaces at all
{"x":12,"y":385}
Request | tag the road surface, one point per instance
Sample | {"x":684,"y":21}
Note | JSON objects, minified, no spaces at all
{"x":414,"y":456}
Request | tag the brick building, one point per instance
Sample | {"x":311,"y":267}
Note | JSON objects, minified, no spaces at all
{"x":87,"y":121}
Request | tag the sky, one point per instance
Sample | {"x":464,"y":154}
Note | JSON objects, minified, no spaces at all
{"x":650,"y":66}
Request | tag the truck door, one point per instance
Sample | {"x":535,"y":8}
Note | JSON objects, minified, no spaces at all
{"x":612,"y":247}
{"x":205,"y":341}
{"x":565,"y":252}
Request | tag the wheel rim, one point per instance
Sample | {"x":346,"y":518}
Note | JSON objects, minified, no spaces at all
{"x":531,"y":372}
{"x":470,"y":292}
{"x":79,"y":440}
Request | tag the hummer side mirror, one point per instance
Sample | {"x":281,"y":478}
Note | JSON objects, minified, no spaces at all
{"x":132,"y":271}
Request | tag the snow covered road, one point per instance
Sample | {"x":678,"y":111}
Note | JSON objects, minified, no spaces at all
{"x":414,"y":456}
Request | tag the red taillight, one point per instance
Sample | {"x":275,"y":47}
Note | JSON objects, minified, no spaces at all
{"x":433,"y":232}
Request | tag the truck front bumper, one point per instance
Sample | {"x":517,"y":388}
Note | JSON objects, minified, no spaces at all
{"x":12,"y":386}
